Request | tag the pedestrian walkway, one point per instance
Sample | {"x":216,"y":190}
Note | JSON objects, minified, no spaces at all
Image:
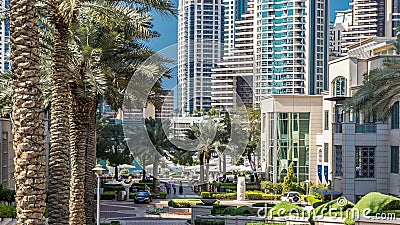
{"x":187,"y":193}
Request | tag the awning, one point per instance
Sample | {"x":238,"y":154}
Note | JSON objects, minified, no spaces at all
{"x":328,"y":192}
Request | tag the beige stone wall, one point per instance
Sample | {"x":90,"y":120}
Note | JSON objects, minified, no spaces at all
{"x":301,"y":104}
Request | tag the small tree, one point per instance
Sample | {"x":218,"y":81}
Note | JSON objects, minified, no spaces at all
{"x":289,"y":182}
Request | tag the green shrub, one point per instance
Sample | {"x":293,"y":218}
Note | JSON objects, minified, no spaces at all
{"x":208,"y":222}
{"x":230,"y":196}
{"x":7,"y":211}
{"x":184,"y":203}
{"x":258,"y":195}
{"x":324,"y":198}
{"x":218,"y":209}
{"x":7,"y":195}
{"x":327,"y":208}
{"x":285,"y":209}
{"x":205,"y":194}
{"x":374,"y":203}
{"x":231,"y":210}
{"x":163,"y":195}
{"x":251,"y":195}
{"x":245,"y":211}
{"x":314,"y":201}
{"x":107,"y":195}
{"x":270,"y":188}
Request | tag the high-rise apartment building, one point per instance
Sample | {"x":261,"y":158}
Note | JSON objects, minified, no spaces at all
{"x":232,"y":79}
{"x":4,"y":40}
{"x":167,"y":108}
{"x":292,"y":47}
{"x":200,"y":34}
{"x":371,"y":18}
{"x":341,"y":24}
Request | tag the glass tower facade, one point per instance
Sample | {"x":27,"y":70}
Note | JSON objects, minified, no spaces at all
{"x":200,"y":34}
{"x":289,"y":142}
{"x":5,"y":64}
{"x":291,"y":47}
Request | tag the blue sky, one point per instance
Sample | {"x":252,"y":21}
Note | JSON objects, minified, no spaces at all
{"x":168,"y":28}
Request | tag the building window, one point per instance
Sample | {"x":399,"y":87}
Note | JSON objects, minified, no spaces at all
{"x":394,"y":156}
{"x":339,"y":87}
{"x":326,"y":152}
{"x":365,"y":162}
{"x":326,"y":120}
{"x":338,"y":161}
{"x":394,"y":118}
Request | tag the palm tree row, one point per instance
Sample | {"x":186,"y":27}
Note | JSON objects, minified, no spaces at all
{"x":86,"y":46}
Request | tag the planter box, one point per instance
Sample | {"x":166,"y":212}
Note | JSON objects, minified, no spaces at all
{"x":208,"y":201}
{"x":199,"y":210}
{"x":172,"y":209}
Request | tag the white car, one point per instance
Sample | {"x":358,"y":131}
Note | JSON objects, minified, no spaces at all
{"x":291,"y":196}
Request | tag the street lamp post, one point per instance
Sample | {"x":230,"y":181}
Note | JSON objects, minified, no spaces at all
{"x":307,"y":183}
{"x":98,"y":169}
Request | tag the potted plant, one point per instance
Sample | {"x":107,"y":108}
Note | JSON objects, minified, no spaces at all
{"x":206,"y":198}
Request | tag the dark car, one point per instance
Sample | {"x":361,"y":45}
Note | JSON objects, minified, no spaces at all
{"x":142,"y":197}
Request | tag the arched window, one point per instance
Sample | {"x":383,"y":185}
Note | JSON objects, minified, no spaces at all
{"x":339,"y":87}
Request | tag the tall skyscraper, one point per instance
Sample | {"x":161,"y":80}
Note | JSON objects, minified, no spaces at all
{"x":341,"y":24}
{"x":371,"y":18}
{"x":292,"y":47}
{"x":232,"y":79}
{"x":4,"y":40}
{"x":200,"y":38}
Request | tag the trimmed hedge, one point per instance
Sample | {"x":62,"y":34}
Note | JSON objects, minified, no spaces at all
{"x":230,"y":196}
{"x":218,"y":209}
{"x":285,"y":209}
{"x":245,"y":211}
{"x":231,"y":211}
{"x":258,"y":195}
{"x":184,"y":203}
{"x":232,"y":186}
{"x":205,"y":194}
{"x":374,"y":203}
{"x":7,"y":211}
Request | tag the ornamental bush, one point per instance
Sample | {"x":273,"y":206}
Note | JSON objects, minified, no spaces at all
{"x":7,"y":211}
{"x":245,"y":211}
{"x":184,"y":203}
{"x":374,"y":203}
{"x":231,"y":210}
{"x":205,"y":194}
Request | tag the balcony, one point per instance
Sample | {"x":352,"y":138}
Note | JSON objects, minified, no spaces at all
{"x":366,"y":128}
{"x":337,"y":128}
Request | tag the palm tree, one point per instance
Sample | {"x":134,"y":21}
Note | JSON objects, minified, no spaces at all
{"x":27,"y":114}
{"x":380,"y":89}
{"x":105,"y":54}
{"x":161,"y":144}
{"x":58,"y":187}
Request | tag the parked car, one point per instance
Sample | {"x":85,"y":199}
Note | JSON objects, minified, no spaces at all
{"x":142,"y":197}
{"x":291,"y":196}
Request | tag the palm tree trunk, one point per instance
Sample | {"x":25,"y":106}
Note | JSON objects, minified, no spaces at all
{"x":78,"y":146}
{"x":201,"y":168}
{"x":90,"y":163}
{"x":156,"y":164}
{"x":59,"y":140}
{"x":28,"y":115}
